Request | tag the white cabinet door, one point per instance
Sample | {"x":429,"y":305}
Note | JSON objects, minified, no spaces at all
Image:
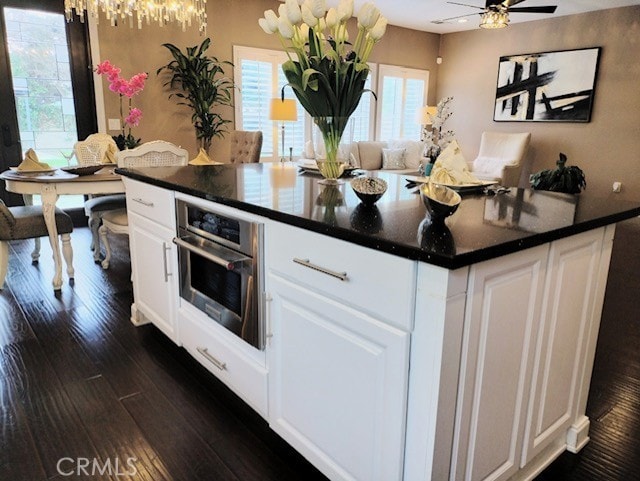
{"x":503,"y":309}
{"x":570,"y":297}
{"x":337,"y":384}
{"x":154,"y":267}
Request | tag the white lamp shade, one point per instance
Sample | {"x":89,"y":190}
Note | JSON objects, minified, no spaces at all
{"x":283,"y":110}
{"x":424,"y":114}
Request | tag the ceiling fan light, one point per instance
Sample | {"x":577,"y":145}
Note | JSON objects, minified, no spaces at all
{"x":493,"y":19}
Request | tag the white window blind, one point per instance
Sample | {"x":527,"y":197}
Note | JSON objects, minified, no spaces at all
{"x":401,"y":91}
{"x":362,"y":120}
{"x":259,"y":77}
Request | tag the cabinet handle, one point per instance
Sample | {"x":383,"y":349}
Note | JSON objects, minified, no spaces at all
{"x":267,"y":317}
{"x":305,"y":262}
{"x":143,"y":202}
{"x":165,"y":248}
{"x":205,"y":353}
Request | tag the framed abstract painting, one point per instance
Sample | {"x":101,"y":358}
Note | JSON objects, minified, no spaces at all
{"x":547,"y":87}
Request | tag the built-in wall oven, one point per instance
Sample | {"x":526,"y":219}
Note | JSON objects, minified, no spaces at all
{"x":220,"y":260}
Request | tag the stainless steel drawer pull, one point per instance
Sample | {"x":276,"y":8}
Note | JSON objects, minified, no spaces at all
{"x":143,"y":202}
{"x":165,"y":248}
{"x":305,"y":262}
{"x":205,"y":353}
{"x":228,"y":264}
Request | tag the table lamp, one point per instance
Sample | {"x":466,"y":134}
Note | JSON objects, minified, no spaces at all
{"x":283,"y":110}
{"x":424,"y":116}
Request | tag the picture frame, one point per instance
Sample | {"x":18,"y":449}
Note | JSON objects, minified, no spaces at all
{"x":557,"y":86}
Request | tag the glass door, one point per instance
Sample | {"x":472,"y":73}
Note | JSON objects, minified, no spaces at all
{"x":44,"y":75}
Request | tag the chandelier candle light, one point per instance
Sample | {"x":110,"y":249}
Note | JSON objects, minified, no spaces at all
{"x":326,"y":72}
{"x":183,"y":12}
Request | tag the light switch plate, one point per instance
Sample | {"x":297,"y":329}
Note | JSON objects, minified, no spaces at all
{"x":114,"y":124}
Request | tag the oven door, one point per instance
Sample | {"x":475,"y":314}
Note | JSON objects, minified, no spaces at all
{"x":222,"y":283}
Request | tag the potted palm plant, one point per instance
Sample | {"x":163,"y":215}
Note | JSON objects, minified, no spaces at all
{"x":203,"y":86}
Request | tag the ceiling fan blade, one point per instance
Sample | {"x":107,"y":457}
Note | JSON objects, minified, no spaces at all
{"x":445,"y":20}
{"x":547,"y":9}
{"x":504,"y":3}
{"x":466,"y":5}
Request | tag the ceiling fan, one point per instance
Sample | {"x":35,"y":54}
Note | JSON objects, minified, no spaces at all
{"x":495,"y":14}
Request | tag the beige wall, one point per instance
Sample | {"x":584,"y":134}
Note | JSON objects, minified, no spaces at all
{"x":230,"y":23}
{"x":608,"y":147}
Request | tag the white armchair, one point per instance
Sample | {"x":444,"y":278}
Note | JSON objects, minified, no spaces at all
{"x":502,"y":157}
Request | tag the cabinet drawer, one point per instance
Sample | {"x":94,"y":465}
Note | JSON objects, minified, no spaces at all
{"x":206,"y":342}
{"x":151,"y":202}
{"x":377,"y":283}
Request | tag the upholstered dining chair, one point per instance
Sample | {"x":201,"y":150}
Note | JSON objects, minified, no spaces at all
{"x":27,"y":222}
{"x":89,"y":151}
{"x":245,"y":147}
{"x":502,"y":157}
{"x":157,"y":153}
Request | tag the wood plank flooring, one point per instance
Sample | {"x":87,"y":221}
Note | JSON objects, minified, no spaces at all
{"x":79,"y":382}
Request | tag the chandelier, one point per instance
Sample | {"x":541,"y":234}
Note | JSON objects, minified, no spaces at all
{"x":494,"y":19}
{"x":145,"y":11}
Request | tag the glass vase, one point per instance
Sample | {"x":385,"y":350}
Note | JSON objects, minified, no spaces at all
{"x":332,"y":147}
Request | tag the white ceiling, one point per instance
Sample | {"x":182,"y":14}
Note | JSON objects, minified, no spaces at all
{"x":418,"y":14}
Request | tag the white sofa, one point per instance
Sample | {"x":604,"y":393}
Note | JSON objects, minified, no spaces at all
{"x":368,"y":155}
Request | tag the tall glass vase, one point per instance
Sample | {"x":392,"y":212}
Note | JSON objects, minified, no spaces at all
{"x":332,"y":156}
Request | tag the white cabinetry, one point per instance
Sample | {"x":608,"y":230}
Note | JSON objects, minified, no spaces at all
{"x":503,"y":308}
{"x":337,"y":372}
{"x":154,"y":261}
{"x":529,"y":336}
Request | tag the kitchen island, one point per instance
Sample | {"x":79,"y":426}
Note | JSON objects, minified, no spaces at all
{"x":455,"y":352}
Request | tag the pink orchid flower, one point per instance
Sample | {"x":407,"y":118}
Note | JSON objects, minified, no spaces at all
{"x":134,"y":117}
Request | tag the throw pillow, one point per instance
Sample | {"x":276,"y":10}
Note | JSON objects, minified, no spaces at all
{"x":370,"y":154}
{"x":413,"y":152}
{"x":393,"y":159}
{"x":308,"y":150}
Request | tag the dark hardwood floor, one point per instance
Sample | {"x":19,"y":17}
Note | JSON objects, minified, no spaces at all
{"x":78,"y":383}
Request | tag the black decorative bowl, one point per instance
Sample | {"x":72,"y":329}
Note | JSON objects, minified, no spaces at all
{"x":83,"y":169}
{"x":369,"y":189}
{"x":440,"y":201}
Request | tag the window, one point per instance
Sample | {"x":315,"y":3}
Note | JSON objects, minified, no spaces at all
{"x":401,"y":92}
{"x":363,"y":118}
{"x":259,"y":78}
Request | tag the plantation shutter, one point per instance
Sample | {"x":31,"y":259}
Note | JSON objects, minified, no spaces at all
{"x":402,"y":92}
{"x":259,"y":77}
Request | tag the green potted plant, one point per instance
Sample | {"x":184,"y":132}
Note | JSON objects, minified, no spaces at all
{"x":569,"y":180}
{"x":203,"y":85}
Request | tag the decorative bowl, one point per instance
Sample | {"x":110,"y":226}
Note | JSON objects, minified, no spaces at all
{"x":369,"y":189}
{"x":83,"y":169}
{"x":439,"y":200}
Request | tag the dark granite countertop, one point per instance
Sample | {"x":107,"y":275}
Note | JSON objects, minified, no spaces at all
{"x":484,"y":227}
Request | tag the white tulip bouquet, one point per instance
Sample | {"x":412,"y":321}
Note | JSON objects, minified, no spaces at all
{"x":326,"y":72}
